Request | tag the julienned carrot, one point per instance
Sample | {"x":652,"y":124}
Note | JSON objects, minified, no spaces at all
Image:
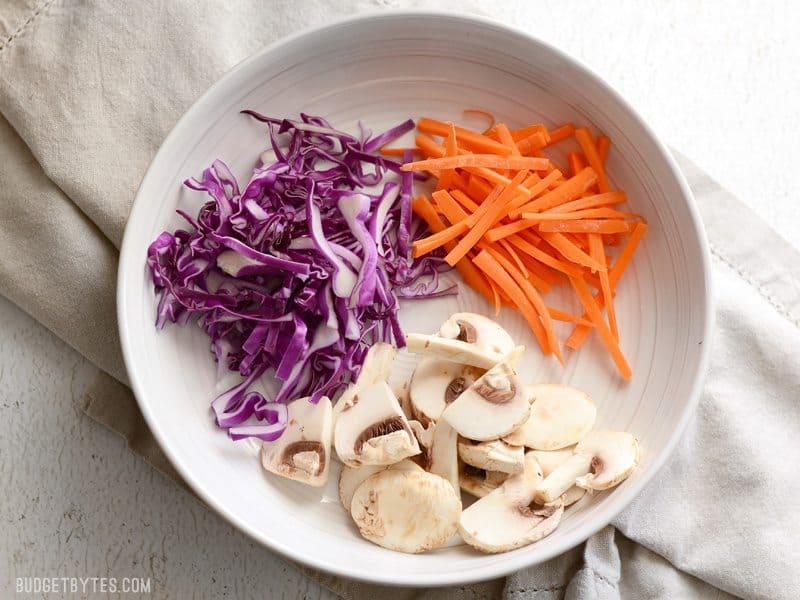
{"x":452,"y":211}
{"x":431,"y":148}
{"x":576,"y":162}
{"x":504,"y":137}
{"x":589,"y":202}
{"x":571,"y":251}
{"x":397,"y":151}
{"x":589,"y":213}
{"x":469,"y":139}
{"x":543,"y":257}
{"x":437,"y":240}
{"x":489,"y":265}
{"x":561,"y":133}
{"x":514,"y":230}
{"x":596,"y":251}
{"x":596,"y":317}
{"x":603,"y":146}
{"x":492,"y":214}
{"x":586,"y":226}
{"x":503,"y":231}
{"x":491,"y":161}
{"x":466,"y":201}
{"x":535,"y":141}
{"x":537,"y":188}
{"x":590,"y":151}
{"x":521,"y":134}
{"x":423,"y":208}
{"x":578,"y":335}
{"x":532,"y":296}
{"x":560,"y":315}
{"x":569,"y":190}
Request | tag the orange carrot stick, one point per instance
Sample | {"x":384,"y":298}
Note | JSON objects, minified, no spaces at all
{"x":397,"y":151}
{"x":469,"y":139}
{"x":535,"y":300}
{"x":586,"y":226}
{"x":603,"y":146}
{"x":596,"y":251}
{"x":595,"y":316}
{"x":536,"y":189}
{"x":576,"y":162}
{"x":561,"y":133}
{"x":543,"y":257}
{"x":589,"y":202}
{"x":494,"y":271}
{"x":424,"y":209}
{"x":490,"y":161}
{"x":589,"y":213}
{"x":578,"y":335}
{"x":590,"y":151}
{"x":492,"y":214}
{"x":571,"y":251}
{"x":569,"y":190}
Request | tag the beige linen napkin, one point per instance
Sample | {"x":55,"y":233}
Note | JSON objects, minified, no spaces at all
{"x":88,"y":91}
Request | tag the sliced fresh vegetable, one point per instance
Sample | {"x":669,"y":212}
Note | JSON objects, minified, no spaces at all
{"x":298,"y":272}
{"x":524,"y":231}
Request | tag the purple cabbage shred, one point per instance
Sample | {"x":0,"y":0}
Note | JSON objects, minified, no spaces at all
{"x":299,"y":272}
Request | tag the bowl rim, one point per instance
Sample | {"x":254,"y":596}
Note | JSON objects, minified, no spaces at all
{"x":127,"y":261}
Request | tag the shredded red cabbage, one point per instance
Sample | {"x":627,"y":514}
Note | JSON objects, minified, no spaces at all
{"x":299,"y":273}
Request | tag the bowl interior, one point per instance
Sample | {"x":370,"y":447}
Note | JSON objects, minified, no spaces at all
{"x":381,"y":70}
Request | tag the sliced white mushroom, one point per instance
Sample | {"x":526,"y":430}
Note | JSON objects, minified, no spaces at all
{"x":303,"y":452}
{"x":549,"y":460}
{"x":560,"y":416}
{"x":352,"y":477}
{"x":601,"y":460}
{"x":453,"y":350}
{"x":494,"y":455}
{"x":481,"y":331}
{"x":377,"y":367}
{"x":435,"y":384}
{"x":479,"y":482}
{"x":373,"y":430}
{"x":438,"y":454}
{"x":508,"y":517}
{"x":408,"y":511}
{"x":492,"y":407}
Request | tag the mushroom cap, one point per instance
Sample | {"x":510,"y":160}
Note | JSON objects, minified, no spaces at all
{"x":484,"y":333}
{"x":560,"y":416}
{"x":494,"y":455}
{"x":478,"y":482}
{"x":352,"y":477}
{"x":408,"y":511}
{"x":374,"y":430}
{"x":507,"y":518}
{"x":377,"y":367}
{"x":492,"y":407}
{"x":615,"y":455}
{"x":303,"y":452}
{"x":435,"y":383}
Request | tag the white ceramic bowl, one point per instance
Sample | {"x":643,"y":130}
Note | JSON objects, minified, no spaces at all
{"x":385,"y":68}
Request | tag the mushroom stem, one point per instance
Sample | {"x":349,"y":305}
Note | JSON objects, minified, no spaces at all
{"x":563,"y":477}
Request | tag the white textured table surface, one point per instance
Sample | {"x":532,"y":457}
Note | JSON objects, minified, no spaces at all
{"x":717,"y":81}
